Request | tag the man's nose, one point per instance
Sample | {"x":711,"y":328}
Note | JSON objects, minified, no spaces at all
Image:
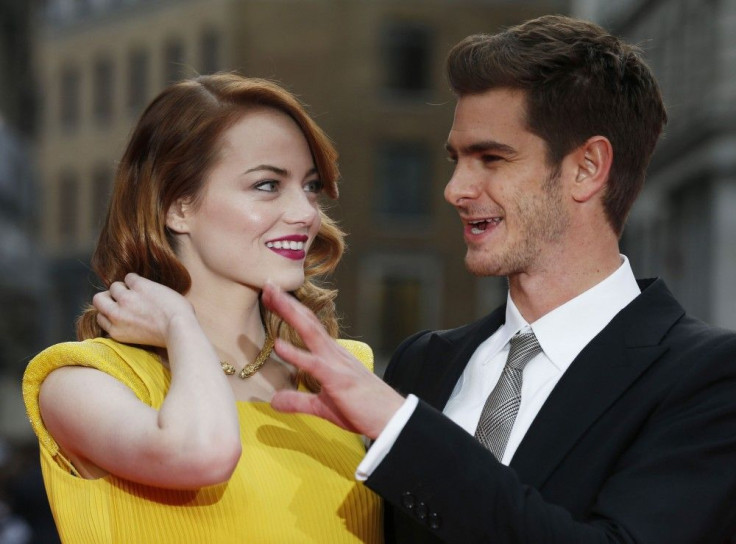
{"x":463,"y":185}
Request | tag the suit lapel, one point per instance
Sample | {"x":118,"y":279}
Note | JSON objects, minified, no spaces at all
{"x":596,"y":379}
{"x":449,"y":353}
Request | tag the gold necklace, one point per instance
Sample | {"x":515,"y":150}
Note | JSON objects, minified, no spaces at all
{"x":251,"y":368}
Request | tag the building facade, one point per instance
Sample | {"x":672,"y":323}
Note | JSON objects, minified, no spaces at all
{"x":683,"y":226}
{"x":22,"y":279}
{"x":370,"y":72}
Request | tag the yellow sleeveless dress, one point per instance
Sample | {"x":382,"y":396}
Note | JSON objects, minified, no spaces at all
{"x":294,"y":482}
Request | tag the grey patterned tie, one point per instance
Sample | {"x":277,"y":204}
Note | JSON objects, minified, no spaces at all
{"x":502,"y":405}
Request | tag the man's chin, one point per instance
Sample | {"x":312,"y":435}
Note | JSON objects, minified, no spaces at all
{"x":483,"y":267}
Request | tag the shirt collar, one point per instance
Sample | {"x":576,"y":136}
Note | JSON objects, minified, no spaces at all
{"x":566,"y":330}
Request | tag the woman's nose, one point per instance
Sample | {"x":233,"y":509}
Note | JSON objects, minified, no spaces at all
{"x":301,"y":208}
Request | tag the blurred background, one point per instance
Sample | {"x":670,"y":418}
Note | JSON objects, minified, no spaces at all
{"x":75,"y":74}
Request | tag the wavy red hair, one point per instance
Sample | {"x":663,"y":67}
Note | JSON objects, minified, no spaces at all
{"x":172,"y":148}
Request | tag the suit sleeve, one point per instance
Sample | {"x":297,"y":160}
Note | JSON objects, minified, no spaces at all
{"x":674,"y":483}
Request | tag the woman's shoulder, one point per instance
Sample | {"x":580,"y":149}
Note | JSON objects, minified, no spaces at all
{"x":360,"y":350}
{"x":100,"y":353}
{"x":87,"y":347}
{"x":127,"y":364}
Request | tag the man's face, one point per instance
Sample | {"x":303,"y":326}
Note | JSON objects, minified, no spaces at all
{"x":509,"y":198}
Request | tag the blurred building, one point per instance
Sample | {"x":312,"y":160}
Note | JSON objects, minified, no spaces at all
{"x":22,"y":286}
{"x":683,"y":227}
{"x":25,"y":516}
{"x":370,"y":72}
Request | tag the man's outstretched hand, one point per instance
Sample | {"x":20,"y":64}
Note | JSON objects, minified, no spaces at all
{"x":352,"y":397}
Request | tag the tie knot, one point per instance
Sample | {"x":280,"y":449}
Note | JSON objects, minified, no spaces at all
{"x":524,"y":346}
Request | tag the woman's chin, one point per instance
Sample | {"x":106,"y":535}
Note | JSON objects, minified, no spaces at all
{"x":288,"y":284}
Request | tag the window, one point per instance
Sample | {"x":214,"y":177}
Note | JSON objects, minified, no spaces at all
{"x":209,"y":51}
{"x":690,"y":252}
{"x":68,"y":206}
{"x":102,"y":96}
{"x":173,"y":61}
{"x":69,"y":107}
{"x":13,"y":177}
{"x":400,"y":309}
{"x":138,"y":69}
{"x":405,"y":55}
{"x":403,"y":182}
{"x":399,"y":294}
{"x":18,"y":326}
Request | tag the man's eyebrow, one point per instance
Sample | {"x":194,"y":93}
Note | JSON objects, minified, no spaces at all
{"x":482,"y":147}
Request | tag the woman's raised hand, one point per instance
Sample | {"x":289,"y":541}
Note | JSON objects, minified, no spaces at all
{"x":140,"y":311}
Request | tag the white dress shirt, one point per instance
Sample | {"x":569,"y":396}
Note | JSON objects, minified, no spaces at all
{"x":562,"y":334}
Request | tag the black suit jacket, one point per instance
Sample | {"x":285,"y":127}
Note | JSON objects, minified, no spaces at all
{"x":636,"y":443}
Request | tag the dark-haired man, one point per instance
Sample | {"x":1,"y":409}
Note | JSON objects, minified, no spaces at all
{"x":590,"y":407}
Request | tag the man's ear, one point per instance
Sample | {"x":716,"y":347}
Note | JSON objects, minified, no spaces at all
{"x":593,"y":160}
{"x":177,"y":216}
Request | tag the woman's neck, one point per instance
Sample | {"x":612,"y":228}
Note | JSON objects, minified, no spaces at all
{"x":230,"y":315}
{"x":231,"y":320}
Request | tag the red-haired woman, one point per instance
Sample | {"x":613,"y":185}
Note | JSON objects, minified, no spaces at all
{"x":155,"y":426}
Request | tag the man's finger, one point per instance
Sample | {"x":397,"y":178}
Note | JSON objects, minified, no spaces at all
{"x":292,"y":402}
{"x":297,"y":357}
{"x":298,"y":316}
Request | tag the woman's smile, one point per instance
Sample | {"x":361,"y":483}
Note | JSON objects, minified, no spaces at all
{"x":291,"y":247}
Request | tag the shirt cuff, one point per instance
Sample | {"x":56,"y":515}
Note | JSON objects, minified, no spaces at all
{"x":385,"y":441}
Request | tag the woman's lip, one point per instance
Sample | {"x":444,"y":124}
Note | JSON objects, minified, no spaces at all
{"x":293,"y":254}
{"x":292,"y":246}
{"x":291,"y":238}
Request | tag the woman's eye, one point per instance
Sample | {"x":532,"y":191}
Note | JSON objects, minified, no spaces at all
{"x":314,"y":186}
{"x":269,"y":186}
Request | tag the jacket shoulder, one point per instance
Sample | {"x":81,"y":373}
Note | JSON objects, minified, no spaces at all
{"x":419,"y":350}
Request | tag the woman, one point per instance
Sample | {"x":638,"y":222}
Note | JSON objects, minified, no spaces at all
{"x":165,"y":434}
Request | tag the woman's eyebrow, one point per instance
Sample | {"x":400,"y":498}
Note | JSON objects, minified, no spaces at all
{"x":268,"y":168}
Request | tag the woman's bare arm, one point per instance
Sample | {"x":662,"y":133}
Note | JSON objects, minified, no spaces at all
{"x":192,"y":441}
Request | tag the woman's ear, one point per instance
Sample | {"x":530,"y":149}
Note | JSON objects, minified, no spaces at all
{"x":177,"y":216}
{"x":593,"y":159}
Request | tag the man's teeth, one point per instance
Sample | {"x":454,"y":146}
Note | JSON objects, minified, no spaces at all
{"x":285,"y":244}
{"x":480,"y":226}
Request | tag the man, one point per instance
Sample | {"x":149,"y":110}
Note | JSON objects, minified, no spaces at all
{"x":619,"y":425}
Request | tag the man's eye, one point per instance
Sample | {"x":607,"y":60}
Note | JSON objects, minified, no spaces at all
{"x":269,"y":186}
{"x":490,"y":158}
{"x":451,"y":159}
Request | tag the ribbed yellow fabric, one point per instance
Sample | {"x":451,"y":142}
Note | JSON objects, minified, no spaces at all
{"x":294,"y":482}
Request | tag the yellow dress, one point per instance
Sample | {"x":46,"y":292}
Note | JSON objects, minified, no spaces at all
{"x":294,"y":481}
